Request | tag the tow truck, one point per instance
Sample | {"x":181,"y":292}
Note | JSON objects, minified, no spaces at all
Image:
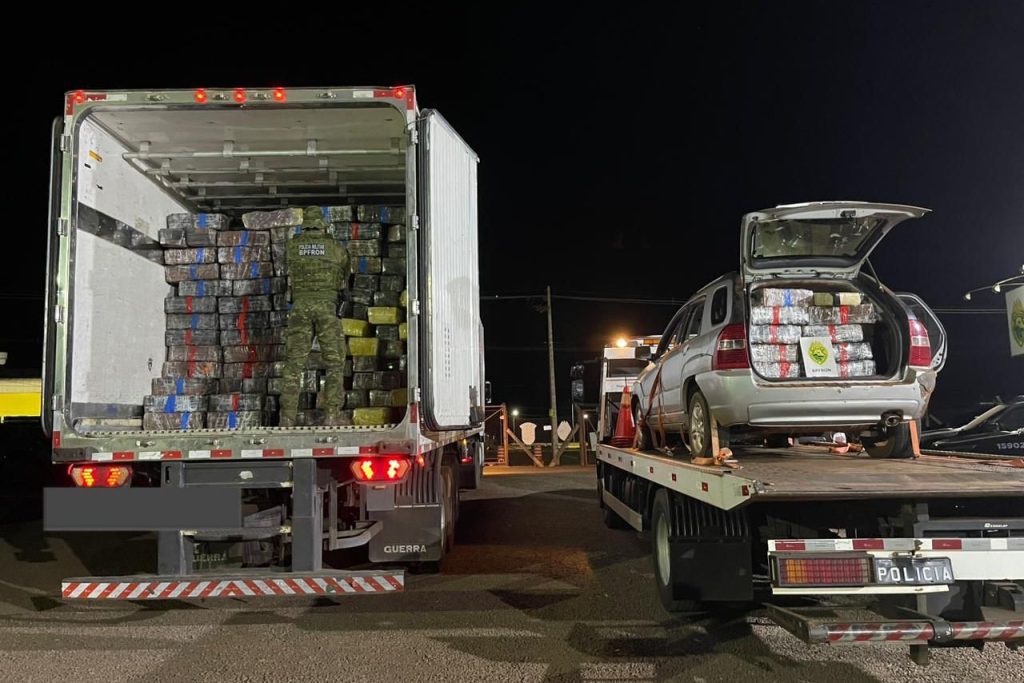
{"x":841,"y":549}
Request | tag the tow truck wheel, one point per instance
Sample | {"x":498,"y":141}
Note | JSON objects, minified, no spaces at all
{"x":895,"y":445}
{"x":666,"y":576}
{"x":610,"y":517}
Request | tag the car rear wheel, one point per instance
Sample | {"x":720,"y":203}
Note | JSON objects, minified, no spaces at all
{"x":699,"y":428}
{"x":895,"y":445}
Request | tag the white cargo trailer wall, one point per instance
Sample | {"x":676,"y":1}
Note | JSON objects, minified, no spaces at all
{"x":453,"y":291}
{"x":118,"y":319}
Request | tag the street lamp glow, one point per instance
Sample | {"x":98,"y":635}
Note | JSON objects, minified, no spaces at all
{"x":515,"y":412}
{"x":967,"y":296}
{"x":997,"y":287}
{"x":585,"y":416}
{"x":621,"y":342}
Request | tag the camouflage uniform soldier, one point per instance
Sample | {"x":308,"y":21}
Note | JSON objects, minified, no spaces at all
{"x":318,"y":270}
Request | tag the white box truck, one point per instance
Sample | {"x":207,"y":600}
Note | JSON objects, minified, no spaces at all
{"x":122,"y":162}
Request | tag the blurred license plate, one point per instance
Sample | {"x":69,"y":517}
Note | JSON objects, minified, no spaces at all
{"x":913,"y":571}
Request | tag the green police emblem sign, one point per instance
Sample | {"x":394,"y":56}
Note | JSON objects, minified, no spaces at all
{"x":818,"y":353}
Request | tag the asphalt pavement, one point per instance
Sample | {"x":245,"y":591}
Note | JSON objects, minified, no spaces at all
{"x":536,"y":590}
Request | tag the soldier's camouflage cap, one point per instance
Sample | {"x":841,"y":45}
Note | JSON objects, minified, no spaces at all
{"x":313,"y":218}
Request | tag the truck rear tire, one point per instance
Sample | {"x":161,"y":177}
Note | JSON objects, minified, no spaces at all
{"x":666,"y":575}
{"x":896,"y":445}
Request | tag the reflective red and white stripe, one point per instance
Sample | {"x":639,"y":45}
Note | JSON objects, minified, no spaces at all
{"x":381,"y":582}
{"x":820,"y":545}
{"x":918,"y":632}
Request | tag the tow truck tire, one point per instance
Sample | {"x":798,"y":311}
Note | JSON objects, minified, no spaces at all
{"x":610,"y":517}
{"x":896,"y":445}
{"x":666,"y":575}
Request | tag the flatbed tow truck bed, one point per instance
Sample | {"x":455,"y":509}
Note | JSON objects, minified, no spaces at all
{"x":806,"y":473}
{"x":933,"y":546}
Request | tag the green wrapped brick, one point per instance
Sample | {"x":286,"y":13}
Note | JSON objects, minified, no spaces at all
{"x":393,"y":266}
{"x":243,"y":238}
{"x":387,"y":332}
{"x":366,"y":417}
{"x":365,"y":364}
{"x":403,"y":331}
{"x":181,"y":386}
{"x":392,"y":283}
{"x":377,"y":380}
{"x":266,"y":220}
{"x":396,"y":365}
{"x":191,"y":321}
{"x":385,"y":315}
{"x":190,"y":304}
{"x":390,"y":299}
{"x":358,"y":231}
{"x":364,"y":346}
{"x":363,"y":248}
{"x":403,"y":299}
{"x":175,"y":403}
{"x":373,"y":213}
{"x":396,"y":233}
{"x":190,"y":337}
{"x":360,"y":296}
{"x":197,"y":271}
{"x":241,"y":304}
{"x":359,"y":311}
{"x":205,"y":352}
{"x":392,"y":350}
{"x":369,"y":283}
{"x":355,"y":328}
{"x":204,"y":288}
{"x":399,"y":398}
{"x":357,"y":398}
{"x":379,"y":398}
{"x":397,"y":250}
{"x":180,"y":422}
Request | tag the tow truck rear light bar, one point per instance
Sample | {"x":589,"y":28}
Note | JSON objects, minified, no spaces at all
{"x":790,"y":570}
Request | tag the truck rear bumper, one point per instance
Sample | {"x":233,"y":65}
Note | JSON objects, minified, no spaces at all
{"x":150,"y":587}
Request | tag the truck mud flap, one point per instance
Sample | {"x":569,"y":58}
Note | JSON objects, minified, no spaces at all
{"x":411,"y":534}
{"x":234,"y":586}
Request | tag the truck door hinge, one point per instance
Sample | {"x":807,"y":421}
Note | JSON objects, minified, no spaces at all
{"x":414,"y":136}
{"x":415,"y":222}
{"x":55,"y":401}
{"x":65,"y":143}
{"x":417,"y":395}
{"x":415,"y":306}
{"x":62,"y":227}
{"x":58,"y":314}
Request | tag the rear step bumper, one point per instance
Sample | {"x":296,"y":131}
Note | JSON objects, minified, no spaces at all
{"x":234,"y":586}
{"x":909,"y":632}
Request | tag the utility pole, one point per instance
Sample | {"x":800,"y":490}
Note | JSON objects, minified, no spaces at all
{"x":551,"y":373}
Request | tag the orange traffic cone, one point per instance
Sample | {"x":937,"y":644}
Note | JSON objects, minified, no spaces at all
{"x":625,"y":428}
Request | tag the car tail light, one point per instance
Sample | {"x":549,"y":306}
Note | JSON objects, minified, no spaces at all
{"x":822,"y":571}
{"x":732,"y":348}
{"x":920,"y":345}
{"x":100,"y":476}
{"x":388,"y":468}
{"x":239,"y":95}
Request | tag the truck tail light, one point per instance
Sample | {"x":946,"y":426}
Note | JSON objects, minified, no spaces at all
{"x":386,"y":468}
{"x":200,"y":96}
{"x":731,"y":353}
{"x":239,"y":95}
{"x":920,"y":345}
{"x":822,"y":571}
{"x":280,"y":95}
{"x":100,"y":476}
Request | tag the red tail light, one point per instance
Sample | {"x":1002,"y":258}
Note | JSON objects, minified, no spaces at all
{"x":731,"y":353}
{"x":280,"y":95}
{"x":388,"y":468}
{"x":823,"y":571}
{"x":920,"y":345}
{"x":399,"y":93}
{"x":200,"y":96}
{"x":100,"y":476}
{"x":239,"y":95}
{"x":79,"y":97}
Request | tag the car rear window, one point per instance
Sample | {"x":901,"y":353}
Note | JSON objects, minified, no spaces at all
{"x":719,"y":305}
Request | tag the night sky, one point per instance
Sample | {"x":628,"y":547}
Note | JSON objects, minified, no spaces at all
{"x":618,"y":153}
